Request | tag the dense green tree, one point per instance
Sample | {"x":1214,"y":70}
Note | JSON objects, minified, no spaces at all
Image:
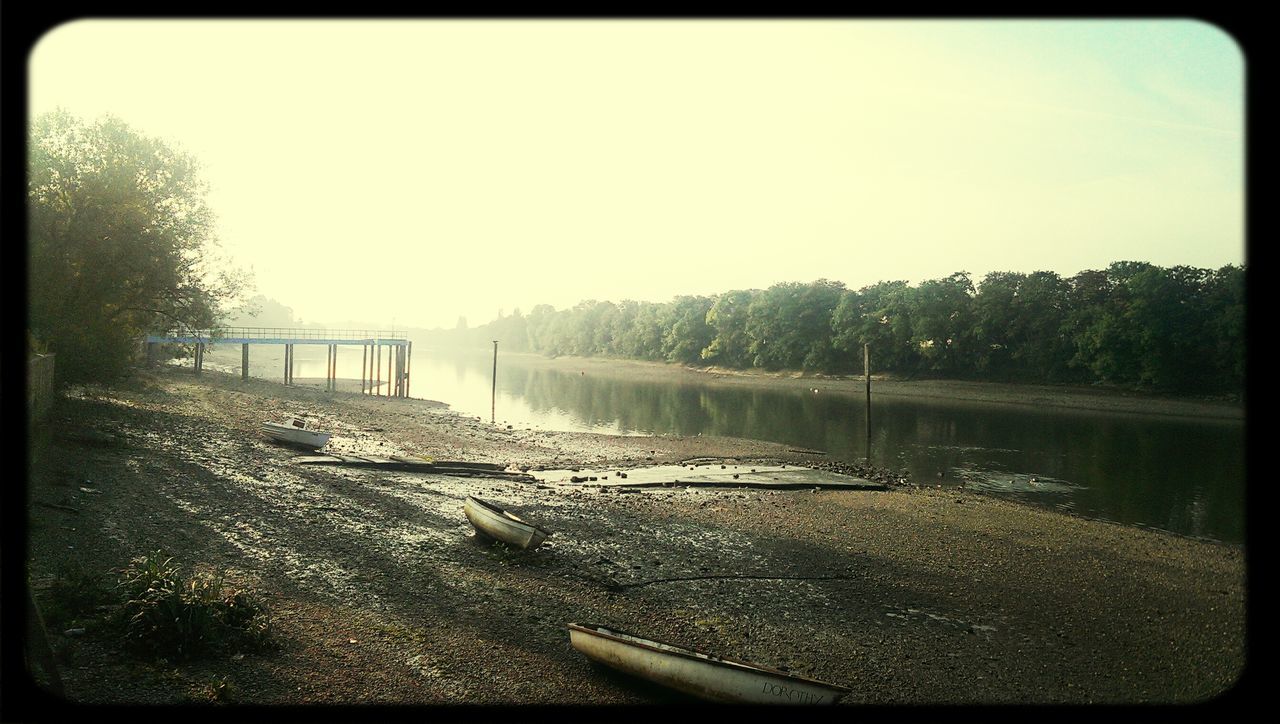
{"x":942,"y":323}
{"x":120,"y":243}
{"x":1169,"y":309}
{"x":879,"y":316}
{"x":644,"y":339}
{"x":1018,"y":326}
{"x":789,"y":325}
{"x":1224,"y":330}
{"x":687,"y":330}
{"x":727,"y":319}
{"x":1108,"y":339}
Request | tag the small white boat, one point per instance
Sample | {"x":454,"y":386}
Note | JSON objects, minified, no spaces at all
{"x":696,"y":673}
{"x":295,"y":432}
{"x":493,"y":522}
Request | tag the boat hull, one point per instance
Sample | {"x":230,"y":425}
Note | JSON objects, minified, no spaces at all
{"x":293,"y":436}
{"x":493,"y":522}
{"x":698,"y":674}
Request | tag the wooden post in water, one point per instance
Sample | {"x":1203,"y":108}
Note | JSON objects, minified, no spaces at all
{"x":493,"y":404}
{"x":377,"y":371}
{"x":866,"y":371}
{"x":244,"y":361}
{"x":400,"y":370}
{"x":364,"y":367}
{"x":408,"y":356}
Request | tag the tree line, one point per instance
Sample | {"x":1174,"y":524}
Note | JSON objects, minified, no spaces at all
{"x":121,"y":242}
{"x":1133,"y":324}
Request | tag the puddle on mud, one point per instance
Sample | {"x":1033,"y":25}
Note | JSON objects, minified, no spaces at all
{"x":726,"y":474}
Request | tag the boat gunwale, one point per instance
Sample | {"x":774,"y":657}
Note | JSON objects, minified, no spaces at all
{"x":506,"y":517}
{"x":617,"y":636}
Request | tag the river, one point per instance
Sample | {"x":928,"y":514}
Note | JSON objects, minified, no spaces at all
{"x":1180,"y":474}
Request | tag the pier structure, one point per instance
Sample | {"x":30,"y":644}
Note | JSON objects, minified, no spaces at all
{"x":398,"y":349}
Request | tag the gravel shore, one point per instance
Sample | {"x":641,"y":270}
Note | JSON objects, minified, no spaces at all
{"x":380,"y":593}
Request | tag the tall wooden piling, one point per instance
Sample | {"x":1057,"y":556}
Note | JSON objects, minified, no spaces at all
{"x":244,"y":361}
{"x":866,"y":372}
{"x":408,"y":357}
{"x":493,"y":399}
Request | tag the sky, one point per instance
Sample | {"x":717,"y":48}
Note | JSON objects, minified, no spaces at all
{"x":411,"y":172}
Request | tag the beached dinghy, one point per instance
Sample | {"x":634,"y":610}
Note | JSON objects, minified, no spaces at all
{"x":492,"y":521}
{"x":701,"y":675}
{"x":294,"y":431}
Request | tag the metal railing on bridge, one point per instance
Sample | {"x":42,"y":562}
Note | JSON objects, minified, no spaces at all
{"x":279,"y":334}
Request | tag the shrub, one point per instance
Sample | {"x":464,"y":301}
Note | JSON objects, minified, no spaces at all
{"x":167,"y":614}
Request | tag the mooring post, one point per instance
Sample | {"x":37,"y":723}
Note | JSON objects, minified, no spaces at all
{"x":866,"y":371}
{"x":390,"y":382}
{"x":244,"y":360}
{"x":408,"y":357}
{"x":493,"y":400}
{"x":364,"y":367}
{"x":151,"y":353}
{"x":199,"y":356}
{"x":377,"y":366}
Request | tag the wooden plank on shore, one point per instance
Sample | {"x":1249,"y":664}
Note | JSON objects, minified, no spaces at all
{"x":442,"y":467}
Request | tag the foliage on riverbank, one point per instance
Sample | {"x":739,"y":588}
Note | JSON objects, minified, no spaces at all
{"x":1134,"y":324}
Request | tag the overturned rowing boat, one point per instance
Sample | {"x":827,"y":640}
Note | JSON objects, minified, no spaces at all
{"x":493,"y":522}
{"x":696,"y":673}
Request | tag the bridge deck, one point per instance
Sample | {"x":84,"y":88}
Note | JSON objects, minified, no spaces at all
{"x":276,"y":335}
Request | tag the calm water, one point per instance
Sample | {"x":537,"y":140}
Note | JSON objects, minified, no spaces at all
{"x":1177,"y":474}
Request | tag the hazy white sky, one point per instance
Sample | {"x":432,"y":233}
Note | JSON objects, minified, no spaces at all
{"x":415,"y":171}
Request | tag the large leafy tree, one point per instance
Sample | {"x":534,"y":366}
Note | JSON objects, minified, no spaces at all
{"x":120,"y":242}
{"x":1019,"y":324}
{"x":727,"y":318}
{"x":687,"y":330}
{"x":878,"y":315}
{"x":942,"y":322}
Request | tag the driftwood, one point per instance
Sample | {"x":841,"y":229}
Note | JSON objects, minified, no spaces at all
{"x":67,"y":508}
{"x":417,"y":465}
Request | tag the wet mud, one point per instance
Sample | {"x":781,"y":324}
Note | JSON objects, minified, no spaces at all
{"x":381,"y":592}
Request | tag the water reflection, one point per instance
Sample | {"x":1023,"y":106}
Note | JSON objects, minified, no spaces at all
{"x":1177,"y":474}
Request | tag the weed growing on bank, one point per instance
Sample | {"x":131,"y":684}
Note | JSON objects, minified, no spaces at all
{"x":168,"y":614}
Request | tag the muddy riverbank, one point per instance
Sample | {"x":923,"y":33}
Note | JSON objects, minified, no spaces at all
{"x":381,"y":594}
